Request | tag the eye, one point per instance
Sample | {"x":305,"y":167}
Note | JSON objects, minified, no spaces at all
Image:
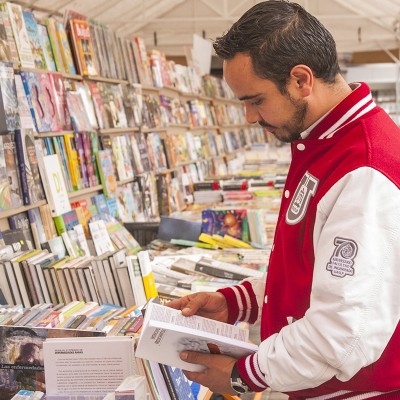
{"x":257,"y":102}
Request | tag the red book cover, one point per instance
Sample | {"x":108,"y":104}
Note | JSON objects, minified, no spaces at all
{"x":61,"y":101}
{"x":83,"y":47}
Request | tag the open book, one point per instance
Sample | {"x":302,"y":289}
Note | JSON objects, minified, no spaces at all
{"x":166,"y":332}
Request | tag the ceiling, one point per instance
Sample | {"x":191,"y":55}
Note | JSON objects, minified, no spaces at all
{"x":169,"y":25}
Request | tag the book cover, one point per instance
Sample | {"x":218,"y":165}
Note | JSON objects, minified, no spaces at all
{"x":21,"y":356}
{"x":5,"y":49}
{"x":31,"y":183}
{"x":49,"y":102}
{"x":107,"y":174}
{"x":166,"y":332}
{"x":83,"y":89}
{"x":83,"y":47}
{"x":177,"y":383}
{"x":19,"y":239}
{"x":24,"y":111}
{"x":64,"y":116}
{"x":73,"y":161}
{"x":54,"y":185}
{"x":76,"y":107}
{"x":156,"y":152}
{"x":147,"y":274}
{"x":143,"y":150}
{"x":10,"y":157}
{"x":9,"y":117}
{"x":101,"y":238}
{"x":34,"y":39}
{"x":20,"y":35}
{"x":55,"y":46}
{"x":59,"y":148}
{"x":46,"y":47}
{"x":5,"y":192}
{"x":99,"y":108}
{"x":37,"y":101}
{"x":231,"y":222}
{"x":65,"y":49}
{"x":118,"y":102}
{"x":37,"y":227}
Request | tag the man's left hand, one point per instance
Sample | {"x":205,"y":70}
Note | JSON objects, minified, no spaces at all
{"x":216,"y":376}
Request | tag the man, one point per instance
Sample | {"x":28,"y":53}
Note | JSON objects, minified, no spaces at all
{"x":330,"y":308}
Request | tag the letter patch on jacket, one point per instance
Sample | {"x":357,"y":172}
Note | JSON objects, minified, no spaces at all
{"x":342,"y":260}
{"x":298,"y":206}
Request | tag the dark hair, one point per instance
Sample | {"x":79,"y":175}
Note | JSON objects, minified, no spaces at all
{"x":278,"y":35}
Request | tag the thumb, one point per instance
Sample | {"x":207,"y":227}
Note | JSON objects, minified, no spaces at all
{"x":193,"y":305}
{"x":194,"y":357}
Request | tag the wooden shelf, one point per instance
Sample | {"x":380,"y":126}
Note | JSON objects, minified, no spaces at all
{"x":225,"y":100}
{"x":74,"y":77}
{"x":13,"y":211}
{"x":149,"y":88}
{"x":112,"y":131}
{"x":125,"y":181}
{"x":149,"y":130}
{"x":106,"y":80}
{"x":84,"y":192}
{"x":51,"y":134}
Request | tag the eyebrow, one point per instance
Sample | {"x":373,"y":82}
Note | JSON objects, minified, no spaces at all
{"x":251,"y":97}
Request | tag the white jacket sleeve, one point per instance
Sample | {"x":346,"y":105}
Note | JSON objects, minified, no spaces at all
{"x":354,"y":306}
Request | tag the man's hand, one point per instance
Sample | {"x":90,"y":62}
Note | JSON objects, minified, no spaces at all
{"x":211,"y":305}
{"x":216,"y":376}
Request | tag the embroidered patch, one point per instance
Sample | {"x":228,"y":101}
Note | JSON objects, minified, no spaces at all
{"x":298,"y":206}
{"x":342,"y":260}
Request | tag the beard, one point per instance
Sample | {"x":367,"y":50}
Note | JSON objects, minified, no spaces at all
{"x":291,"y":130}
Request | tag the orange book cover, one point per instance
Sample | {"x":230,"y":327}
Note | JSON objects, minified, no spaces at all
{"x":83,"y":47}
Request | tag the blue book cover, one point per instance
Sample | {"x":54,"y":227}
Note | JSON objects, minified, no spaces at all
{"x":9,"y":120}
{"x":34,"y":39}
{"x":36,"y":101}
{"x":177,"y":384}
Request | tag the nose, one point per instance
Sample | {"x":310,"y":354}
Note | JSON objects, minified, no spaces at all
{"x":252,"y":115}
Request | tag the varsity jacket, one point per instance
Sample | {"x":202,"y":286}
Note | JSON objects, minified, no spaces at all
{"x":330,"y":307}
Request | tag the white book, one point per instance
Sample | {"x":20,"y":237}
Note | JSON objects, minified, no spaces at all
{"x":95,"y":358}
{"x":54,"y":184}
{"x":101,"y":238}
{"x":21,"y":35}
{"x":136,"y":280}
{"x":166,"y":332}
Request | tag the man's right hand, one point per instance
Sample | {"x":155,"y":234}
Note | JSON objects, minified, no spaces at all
{"x":211,"y":305}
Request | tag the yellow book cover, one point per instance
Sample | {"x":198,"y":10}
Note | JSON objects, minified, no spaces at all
{"x":206,"y":238}
{"x":236,"y":242}
{"x":73,"y":161}
{"x":220,"y":241}
{"x":149,"y":283}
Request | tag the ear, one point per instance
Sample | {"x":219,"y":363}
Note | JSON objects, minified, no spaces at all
{"x":302,"y":79}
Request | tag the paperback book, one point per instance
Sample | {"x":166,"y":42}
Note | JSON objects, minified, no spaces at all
{"x":166,"y":332}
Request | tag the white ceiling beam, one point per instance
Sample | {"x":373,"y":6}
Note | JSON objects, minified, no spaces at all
{"x":108,"y":5}
{"x":359,"y":10}
{"x":155,"y":11}
{"x":234,"y":9}
{"x":211,"y":5}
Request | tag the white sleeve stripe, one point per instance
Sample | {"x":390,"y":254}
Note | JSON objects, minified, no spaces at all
{"x":260,"y":375}
{"x":239,"y":302}
{"x":250,"y":372}
{"x":242,"y":306}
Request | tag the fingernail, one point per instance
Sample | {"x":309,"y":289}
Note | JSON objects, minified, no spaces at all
{"x":184,"y":355}
{"x":186,"y":310}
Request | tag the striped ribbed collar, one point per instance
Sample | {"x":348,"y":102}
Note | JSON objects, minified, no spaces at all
{"x":354,"y":106}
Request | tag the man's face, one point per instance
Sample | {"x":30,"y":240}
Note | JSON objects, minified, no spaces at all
{"x":281,"y":114}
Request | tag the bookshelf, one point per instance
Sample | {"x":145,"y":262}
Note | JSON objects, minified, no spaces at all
{"x":161,"y":130}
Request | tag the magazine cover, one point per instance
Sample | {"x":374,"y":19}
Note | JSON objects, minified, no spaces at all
{"x":9,"y":120}
{"x":20,"y":35}
{"x":221,"y":222}
{"x":21,"y":356}
{"x":34,"y":39}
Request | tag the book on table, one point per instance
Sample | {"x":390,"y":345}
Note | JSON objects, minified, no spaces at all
{"x":166,"y":332}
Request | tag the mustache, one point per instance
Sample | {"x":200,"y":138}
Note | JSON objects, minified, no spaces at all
{"x":265,"y":125}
